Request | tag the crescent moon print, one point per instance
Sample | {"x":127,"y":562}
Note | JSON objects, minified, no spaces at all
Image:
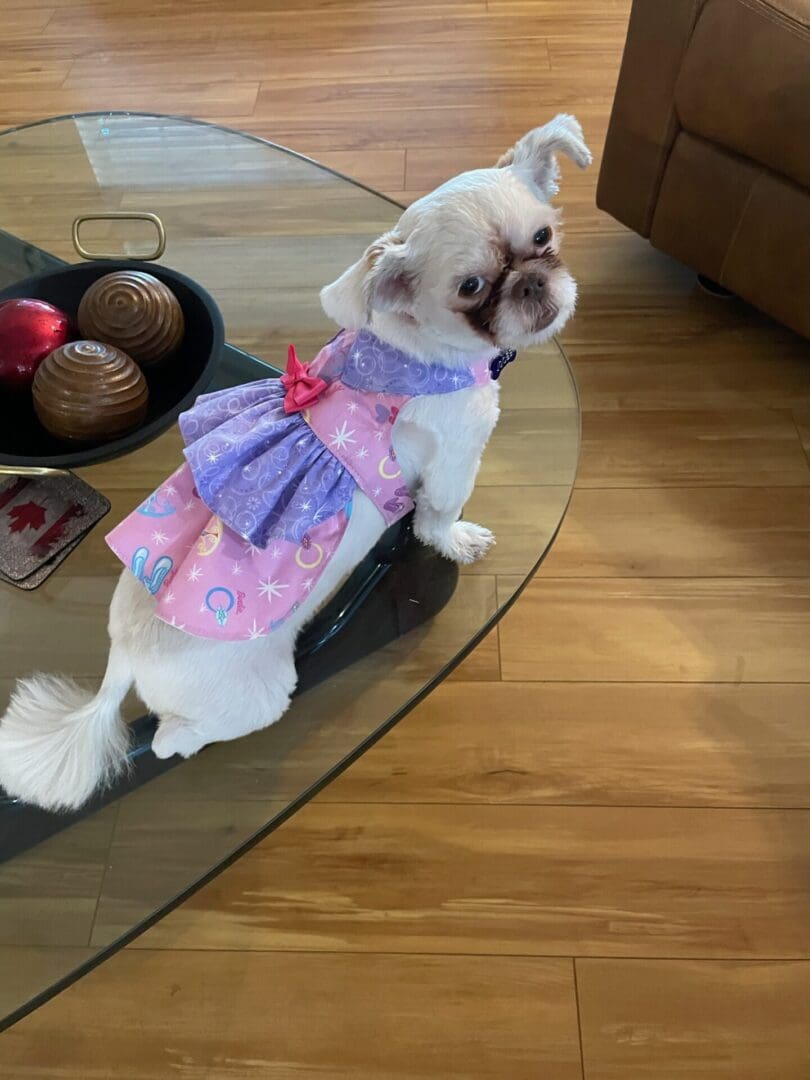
{"x":388,"y":475}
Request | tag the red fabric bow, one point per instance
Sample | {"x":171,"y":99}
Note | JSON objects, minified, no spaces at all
{"x":303,"y":389}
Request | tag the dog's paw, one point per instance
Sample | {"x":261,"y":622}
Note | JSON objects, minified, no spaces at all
{"x":465,"y":542}
{"x":176,"y":735}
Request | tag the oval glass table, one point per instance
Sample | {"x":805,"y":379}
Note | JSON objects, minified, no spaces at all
{"x":262,"y":229}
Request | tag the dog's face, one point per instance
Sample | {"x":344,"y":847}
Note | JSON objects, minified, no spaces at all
{"x":476,"y":264}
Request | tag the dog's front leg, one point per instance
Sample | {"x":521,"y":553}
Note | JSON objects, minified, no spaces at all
{"x":444,"y":439}
{"x":436,"y":523}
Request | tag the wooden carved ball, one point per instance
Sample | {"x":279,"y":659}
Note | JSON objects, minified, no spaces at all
{"x":135,"y":312}
{"x":87,"y":392}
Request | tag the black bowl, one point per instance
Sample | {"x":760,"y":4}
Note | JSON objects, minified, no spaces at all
{"x":173,"y":386}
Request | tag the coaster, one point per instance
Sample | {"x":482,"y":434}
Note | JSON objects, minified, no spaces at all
{"x":45,"y":571}
{"x":41,"y":520}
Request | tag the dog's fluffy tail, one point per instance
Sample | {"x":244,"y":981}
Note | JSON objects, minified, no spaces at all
{"x":58,"y":743}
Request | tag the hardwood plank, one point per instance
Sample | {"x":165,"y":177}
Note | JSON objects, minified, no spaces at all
{"x":21,"y":70}
{"x":158,"y":848}
{"x":654,"y":629}
{"x":226,"y":99}
{"x":568,"y":12}
{"x":17,"y":6}
{"x":517,"y":880}
{"x":383,"y":170}
{"x":48,"y":895}
{"x":460,"y":112}
{"x":81,"y":602}
{"x":522,"y":518}
{"x":164,"y":26}
{"x":802,"y":418}
{"x":228,"y":1015}
{"x":708,"y":1021}
{"x":553,"y":438}
{"x":462,"y":26}
{"x":21,"y":24}
{"x":635,"y":297}
{"x":731,"y":375}
{"x":674,"y":448}
{"x":483,"y":664}
{"x":602,"y":743}
{"x":28,"y":970}
{"x":569,"y":52}
{"x":343,"y":63}
{"x":684,"y":532}
{"x":554,"y":389}
{"x":312,"y":23}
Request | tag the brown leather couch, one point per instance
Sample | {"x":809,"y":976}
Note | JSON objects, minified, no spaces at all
{"x":708,"y":149}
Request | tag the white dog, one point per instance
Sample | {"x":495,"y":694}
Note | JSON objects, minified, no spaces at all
{"x":474,"y":265}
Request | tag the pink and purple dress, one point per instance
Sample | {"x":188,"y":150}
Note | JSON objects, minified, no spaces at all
{"x":233,"y":542}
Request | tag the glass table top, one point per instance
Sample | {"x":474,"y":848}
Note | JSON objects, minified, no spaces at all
{"x":262,"y":229}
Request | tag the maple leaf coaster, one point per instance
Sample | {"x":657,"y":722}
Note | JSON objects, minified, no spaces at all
{"x":41,"y":520}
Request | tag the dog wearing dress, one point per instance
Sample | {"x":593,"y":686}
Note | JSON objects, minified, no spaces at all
{"x":393,"y":414}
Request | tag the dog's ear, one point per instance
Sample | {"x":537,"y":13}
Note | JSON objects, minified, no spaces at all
{"x":534,"y":157}
{"x":381,"y":280}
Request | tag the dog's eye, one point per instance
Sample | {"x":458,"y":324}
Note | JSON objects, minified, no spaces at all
{"x":471,"y":286}
{"x":543,"y":236}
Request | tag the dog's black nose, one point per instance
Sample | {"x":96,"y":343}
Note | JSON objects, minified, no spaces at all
{"x":531,"y":287}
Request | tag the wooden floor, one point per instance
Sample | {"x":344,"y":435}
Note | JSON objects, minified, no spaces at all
{"x":596,"y":866}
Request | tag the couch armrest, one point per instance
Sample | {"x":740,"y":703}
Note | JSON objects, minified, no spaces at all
{"x":643,"y":122}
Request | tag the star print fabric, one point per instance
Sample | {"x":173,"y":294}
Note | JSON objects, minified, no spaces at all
{"x":235,"y":540}
{"x":261,"y":470}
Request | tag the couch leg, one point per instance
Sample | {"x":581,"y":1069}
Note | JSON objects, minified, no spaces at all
{"x":713,"y":288}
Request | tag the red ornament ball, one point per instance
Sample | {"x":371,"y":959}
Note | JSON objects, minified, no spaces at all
{"x":29,"y":331}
